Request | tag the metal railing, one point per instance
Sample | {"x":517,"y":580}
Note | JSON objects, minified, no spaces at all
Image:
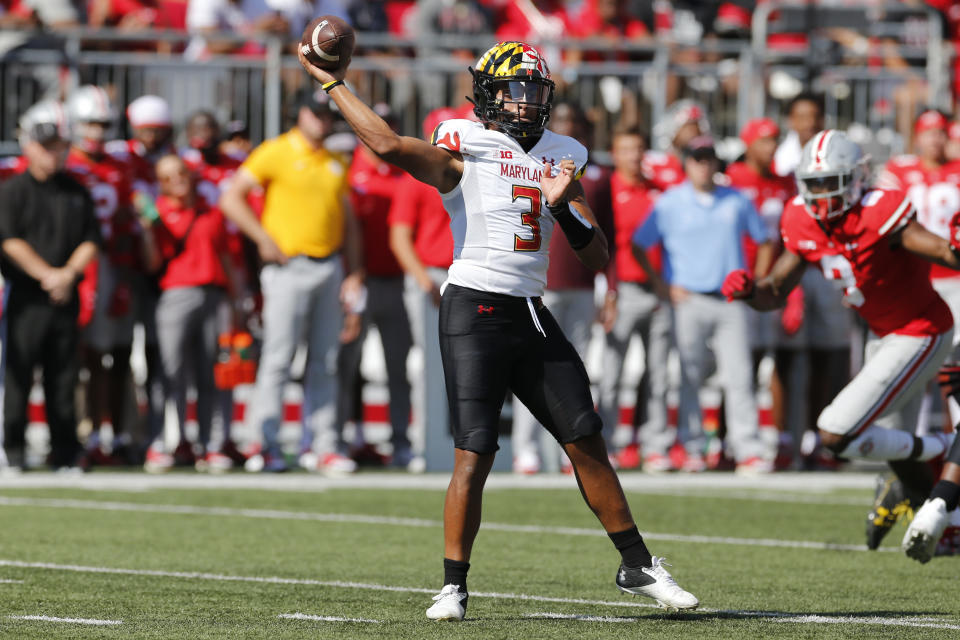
{"x":415,"y":77}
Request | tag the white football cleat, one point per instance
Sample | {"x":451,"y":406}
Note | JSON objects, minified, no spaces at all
{"x":924,"y":532}
{"x":446,"y":604}
{"x":657,"y":583}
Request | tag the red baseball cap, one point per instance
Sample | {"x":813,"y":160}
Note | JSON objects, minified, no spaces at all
{"x":759,"y":128}
{"x":930,"y":119}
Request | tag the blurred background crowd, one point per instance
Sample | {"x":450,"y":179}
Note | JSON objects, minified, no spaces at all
{"x":167,"y":99}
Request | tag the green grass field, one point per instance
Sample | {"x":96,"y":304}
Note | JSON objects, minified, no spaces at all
{"x":766,"y":562}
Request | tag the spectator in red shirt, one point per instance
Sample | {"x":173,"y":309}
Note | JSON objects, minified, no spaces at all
{"x":373,"y":187}
{"x":213,"y":169}
{"x":193,"y":279}
{"x":421,"y":240}
{"x":631,"y":306}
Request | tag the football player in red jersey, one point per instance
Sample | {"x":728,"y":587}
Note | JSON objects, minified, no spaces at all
{"x":108,"y":337}
{"x":870,"y":245}
{"x":684,"y":121}
{"x":149,"y":117}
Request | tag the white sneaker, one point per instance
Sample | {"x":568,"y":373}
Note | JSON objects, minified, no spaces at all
{"x":446,"y":604}
{"x":655,"y":582}
{"x":924,"y":532}
{"x":526,"y":463}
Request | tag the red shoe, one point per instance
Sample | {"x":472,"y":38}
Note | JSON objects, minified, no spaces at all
{"x":658,"y":463}
{"x":629,"y":456}
{"x":183,"y":455}
{"x":236,"y":456}
{"x":157,"y":461}
{"x":755,"y":466}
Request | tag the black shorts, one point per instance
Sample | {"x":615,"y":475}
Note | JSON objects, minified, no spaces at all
{"x":490,"y":344}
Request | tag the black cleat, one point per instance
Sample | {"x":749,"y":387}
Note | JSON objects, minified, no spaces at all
{"x":891,"y":502}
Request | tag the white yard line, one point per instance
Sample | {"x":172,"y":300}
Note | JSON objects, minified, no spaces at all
{"x":305,"y":616}
{"x":5,"y":581}
{"x":90,"y":621}
{"x":771,"y":616}
{"x":806,"y":483}
{"x":273,"y":514}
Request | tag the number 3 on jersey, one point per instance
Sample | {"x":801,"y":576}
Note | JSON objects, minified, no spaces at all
{"x":528,"y":218}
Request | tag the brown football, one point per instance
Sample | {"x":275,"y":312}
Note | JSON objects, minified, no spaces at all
{"x":327,"y":42}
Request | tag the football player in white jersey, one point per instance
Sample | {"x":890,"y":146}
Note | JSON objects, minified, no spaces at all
{"x":506,"y":182}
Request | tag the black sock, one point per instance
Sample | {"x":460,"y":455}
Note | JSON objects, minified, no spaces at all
{"x":631,"y":547}
{"x":455,"y":572}
{"x":949,"y":491}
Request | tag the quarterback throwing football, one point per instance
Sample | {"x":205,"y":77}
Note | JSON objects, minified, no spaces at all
{"x":506,"y":182}
{"x":868,"y":242}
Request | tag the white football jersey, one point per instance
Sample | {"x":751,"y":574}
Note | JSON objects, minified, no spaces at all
{"x":499,"y":218}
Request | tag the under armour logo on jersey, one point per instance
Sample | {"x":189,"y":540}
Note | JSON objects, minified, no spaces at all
{"x":482,"y":309}
{"x":545,"y":160}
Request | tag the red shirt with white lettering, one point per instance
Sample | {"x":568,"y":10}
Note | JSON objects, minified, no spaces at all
{"x":373,"y":187}
{"x":190,"y":241}
{"x":769,"y":195}
{"x":886,"y":284}
{"x":419,"y":206}
{"x":632,"y":203}
{"x":934,"y":191}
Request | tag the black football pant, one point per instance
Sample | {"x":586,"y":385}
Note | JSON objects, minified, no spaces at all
{"x":492,"y":343}
{"x":41,"y":335}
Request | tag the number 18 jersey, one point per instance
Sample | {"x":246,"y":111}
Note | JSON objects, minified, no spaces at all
{"x":498,"y":215}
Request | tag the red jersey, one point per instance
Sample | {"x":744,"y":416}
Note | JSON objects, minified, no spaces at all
{"x":190,"y":241}
{"x":139,"y":164}
{"x":632,"y":204}
{"x":663,"y":169}
{"x":109,"y":185}
{"x":769,"y":195}
{"x":934,"y":192}
{"x":373,"y":186}
{"x":887,"y":285}
{"x":419,"y":206}
{"x":12,"y":166}
{"x":212,"y":179}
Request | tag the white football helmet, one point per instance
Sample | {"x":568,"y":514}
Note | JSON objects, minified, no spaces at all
{"x":832,"y":175}
{"x":90,"y":103}
{"x":90,"y":106}
{"x":44,"y":122}
{"x":676,"y":116}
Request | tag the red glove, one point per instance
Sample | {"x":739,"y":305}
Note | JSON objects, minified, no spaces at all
{"x":792,"y":316}
{"x":955,"y":233}
{"x":738,"y":284}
